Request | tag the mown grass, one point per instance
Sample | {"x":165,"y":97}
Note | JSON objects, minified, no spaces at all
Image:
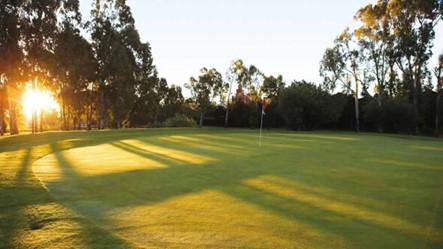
{"x":199,"y":188}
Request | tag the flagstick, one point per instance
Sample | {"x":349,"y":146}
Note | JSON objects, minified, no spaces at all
{"x":261,"y":126}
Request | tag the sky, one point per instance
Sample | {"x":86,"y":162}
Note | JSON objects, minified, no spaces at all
{"x":286,"y":37}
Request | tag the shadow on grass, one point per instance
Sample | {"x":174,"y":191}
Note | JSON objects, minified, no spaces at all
{"x":98,"y":195}
{"x":23,"y":200}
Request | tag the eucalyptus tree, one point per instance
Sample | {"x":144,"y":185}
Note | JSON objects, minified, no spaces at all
{"x":414,"y":25}
{"x":272,"y":86}
{"x":172,"y":102}
{"x":38,"y":32}
{"x":235,"y":73}
{"x":124,"y":61}
{"x":2,"y":112}
{"x":375,"y":40}
{"x":438,"y":71}
{"x":246,"y":78}
{"x":332,"y":69}
{"x":344,"y":63}
{"x":205,"y":90}
{"x":103,"y":28}
{"x":11,"y":59}
{"x":149,"y":88}
{"x":75,"y":68}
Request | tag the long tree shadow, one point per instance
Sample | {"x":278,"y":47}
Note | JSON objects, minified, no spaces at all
{"x":348,"y":230}
{"x":22,"y":214}
{"x":98,"y":195}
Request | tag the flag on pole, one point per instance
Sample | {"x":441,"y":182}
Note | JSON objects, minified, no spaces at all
{"x":263,"y":106}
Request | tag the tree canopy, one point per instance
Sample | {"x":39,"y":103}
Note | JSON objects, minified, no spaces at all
{"x":104,"y":76}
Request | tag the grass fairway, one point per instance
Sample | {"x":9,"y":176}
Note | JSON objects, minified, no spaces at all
{"x":199,"y":188}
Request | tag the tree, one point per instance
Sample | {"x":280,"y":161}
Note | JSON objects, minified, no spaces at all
{"x":103,"y":34}
{"x":204,"y":90}
{"x":2,"y":113}
{"x":125,"y":63}
{"x":304,"y":106}
{"x":75,"y":67}
{"x":438,"y":71}
{"x":272,"y":86}
{"x":39,"y":30}
{"x":332,"y":68}
{"x":375,"y":40}
{"x":172,"y":103}
{"x":11,"y":60}
{"x":248,"y":78}
{"x":413,"y":25}
{"x":344,"y":63}
{"x":236,"y":73}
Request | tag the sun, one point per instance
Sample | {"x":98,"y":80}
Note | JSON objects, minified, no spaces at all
{"x":36,"y":100}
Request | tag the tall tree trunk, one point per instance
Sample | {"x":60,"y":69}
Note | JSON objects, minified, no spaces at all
{"x":380,"y":102}
{"x":201,"y":119}
{"x":33,"y":114}
{"x":89,"y":113}
{"x":416,"y":95}
{"x":438,"y":74}
{"x":226,"y":116}
{"x":12,"y":118}
{"x":357,"y":111}
{"x":437,"y":114}
{"x":391,"y":80}
{"x":64,"y":124}
{"x":41,"y":121}
{"x":2,"y":119}
{"x":101,"y":124}
{"x":227,"y":105}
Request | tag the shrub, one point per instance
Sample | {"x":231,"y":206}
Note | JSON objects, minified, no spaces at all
{"x":180,"y":121}
{"x":399,"y":116}
{"x":305,"y":106}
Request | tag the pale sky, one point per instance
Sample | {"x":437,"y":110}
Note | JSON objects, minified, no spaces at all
{"x":286,"y":37}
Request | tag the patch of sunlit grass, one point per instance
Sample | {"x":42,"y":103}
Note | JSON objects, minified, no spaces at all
{"x":304,"y":195}
{"x":430,"y":148}
{"x":203,"y":144}
{"x":179,"y":156}
{"x":105,"y":159}
{"x":199,"y":188}
{"x":198,"y":220}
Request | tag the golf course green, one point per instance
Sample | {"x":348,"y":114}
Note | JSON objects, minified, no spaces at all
{"x":216,"y":188}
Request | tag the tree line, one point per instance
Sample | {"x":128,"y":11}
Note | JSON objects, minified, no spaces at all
{"x":100,"y":71}
{"x":389,"y":51}
{"x":376,"y":77}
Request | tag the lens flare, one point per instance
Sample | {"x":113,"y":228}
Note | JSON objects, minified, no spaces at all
{"x":35,"y":100}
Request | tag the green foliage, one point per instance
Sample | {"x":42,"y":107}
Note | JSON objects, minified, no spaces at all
{"x":206,"y":89}
{"x":239,"y":114}
{"x":372,"y":115}
{"x":305,"y":106}
{"x":272,"y":86}
{"x":180,"y":120}
{"x":399,"y":116}
{"x":254,"y":115}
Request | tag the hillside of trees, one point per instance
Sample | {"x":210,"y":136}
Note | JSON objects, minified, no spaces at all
{"x":375,"y":78}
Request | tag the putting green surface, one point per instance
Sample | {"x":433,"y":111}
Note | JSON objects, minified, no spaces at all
{"x":215,"y":188}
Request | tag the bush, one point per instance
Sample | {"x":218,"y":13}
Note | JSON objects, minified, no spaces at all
{"x":180,"y":121}
{"x":305,"y":106}
{"x":399,"y":116}
{"x":371,"y":115}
